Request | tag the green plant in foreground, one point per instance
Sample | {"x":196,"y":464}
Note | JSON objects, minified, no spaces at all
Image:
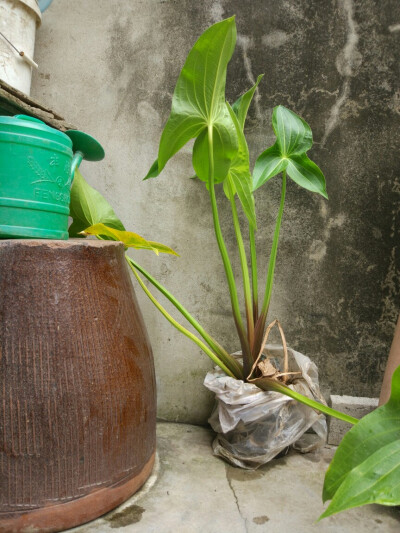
{"x":366,"y":465}
{"x":220,"y":156}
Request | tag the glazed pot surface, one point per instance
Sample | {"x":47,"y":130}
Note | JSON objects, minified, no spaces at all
{"x":77,"y":387}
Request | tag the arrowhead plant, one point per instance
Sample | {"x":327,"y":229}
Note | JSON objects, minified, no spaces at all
{"x":220,"y":157}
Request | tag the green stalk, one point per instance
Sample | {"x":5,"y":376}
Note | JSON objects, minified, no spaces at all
{"x":254,"y":275}
{"x":230,"y":361}
{"x":264,"y":385}
{"x":274,"y":249}
{"x":283,"y":389}
{"x":225,"y":258}
{"x":244,"y":266}
{"x":182,"y":329}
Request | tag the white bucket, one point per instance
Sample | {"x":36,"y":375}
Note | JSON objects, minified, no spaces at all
{"x":18,"y":22}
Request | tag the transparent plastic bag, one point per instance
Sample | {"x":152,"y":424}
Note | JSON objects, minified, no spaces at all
{"x":253,"y":426}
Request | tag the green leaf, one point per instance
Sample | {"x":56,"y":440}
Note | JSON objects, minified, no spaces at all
{"x":199,"y":102}
{"x":307,"y":174}
{"x":269,"y":164}
{"x":88,"y":207}
{"x":372,"y":434}
{"x":376,"y":480}
{"x":242,"y":104}
{"x":293,"y":134}
{"x":132,"y":240}
{"x":293,"y":140}
{"x":223,"y":153}
{"x":239,"y":173}
{"x":228,"y":183}
{"x":153,"y":172}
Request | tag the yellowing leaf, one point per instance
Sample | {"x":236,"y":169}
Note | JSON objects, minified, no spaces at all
{"x":130,"y":239}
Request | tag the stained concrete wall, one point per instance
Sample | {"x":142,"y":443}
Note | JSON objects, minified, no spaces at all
{"x":110,"y":67}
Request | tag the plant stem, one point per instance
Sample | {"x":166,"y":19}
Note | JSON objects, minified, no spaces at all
{"x":230,"y":361}
{"x":254,"y":275}
{"x":244,"y":266}
{"x":269,"y":385}
{"x":182,"y":329}
{"x":225,"y":258}
{"x":274,"y":249}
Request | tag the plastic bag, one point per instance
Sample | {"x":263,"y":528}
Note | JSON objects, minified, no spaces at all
{"x":253,"y":426}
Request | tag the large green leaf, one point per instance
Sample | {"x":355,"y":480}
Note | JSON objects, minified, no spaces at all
{"x":242,"y":104}
{"x":293,"y":140}
{"x":223,"y":153}
{"x":199,"y":102}
{"x":88,"y":207}
{"x":376,"y":480}
{"x":240,"y":162}
{"x":130,"y":239}
{"x":357,"y":458}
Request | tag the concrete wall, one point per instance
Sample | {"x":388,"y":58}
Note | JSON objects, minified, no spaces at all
{"x":110,"y":67}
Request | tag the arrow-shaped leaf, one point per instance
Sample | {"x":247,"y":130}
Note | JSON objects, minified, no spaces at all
{"x":130,"y":239}
{"x":359,"y":467}
{"x":293,"y":140}
{"x":199,"y":102}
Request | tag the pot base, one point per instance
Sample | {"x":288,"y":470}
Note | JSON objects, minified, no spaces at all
{"x":63,"y":516}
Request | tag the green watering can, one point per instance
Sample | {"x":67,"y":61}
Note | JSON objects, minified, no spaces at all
{"x":37,"y":166}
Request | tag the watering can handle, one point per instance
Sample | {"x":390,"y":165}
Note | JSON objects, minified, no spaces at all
{"x":85,"y":147}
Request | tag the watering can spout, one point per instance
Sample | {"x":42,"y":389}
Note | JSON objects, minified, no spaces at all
{"x":76,"y":161}
{"x":85,"y":147}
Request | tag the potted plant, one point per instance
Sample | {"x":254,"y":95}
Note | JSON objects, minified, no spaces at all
{"x":220,"y":157}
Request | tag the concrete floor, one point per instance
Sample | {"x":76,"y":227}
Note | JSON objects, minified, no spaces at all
{"x":191,"y":491}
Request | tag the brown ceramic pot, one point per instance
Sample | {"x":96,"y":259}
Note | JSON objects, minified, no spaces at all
{"x":77,"y":387}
